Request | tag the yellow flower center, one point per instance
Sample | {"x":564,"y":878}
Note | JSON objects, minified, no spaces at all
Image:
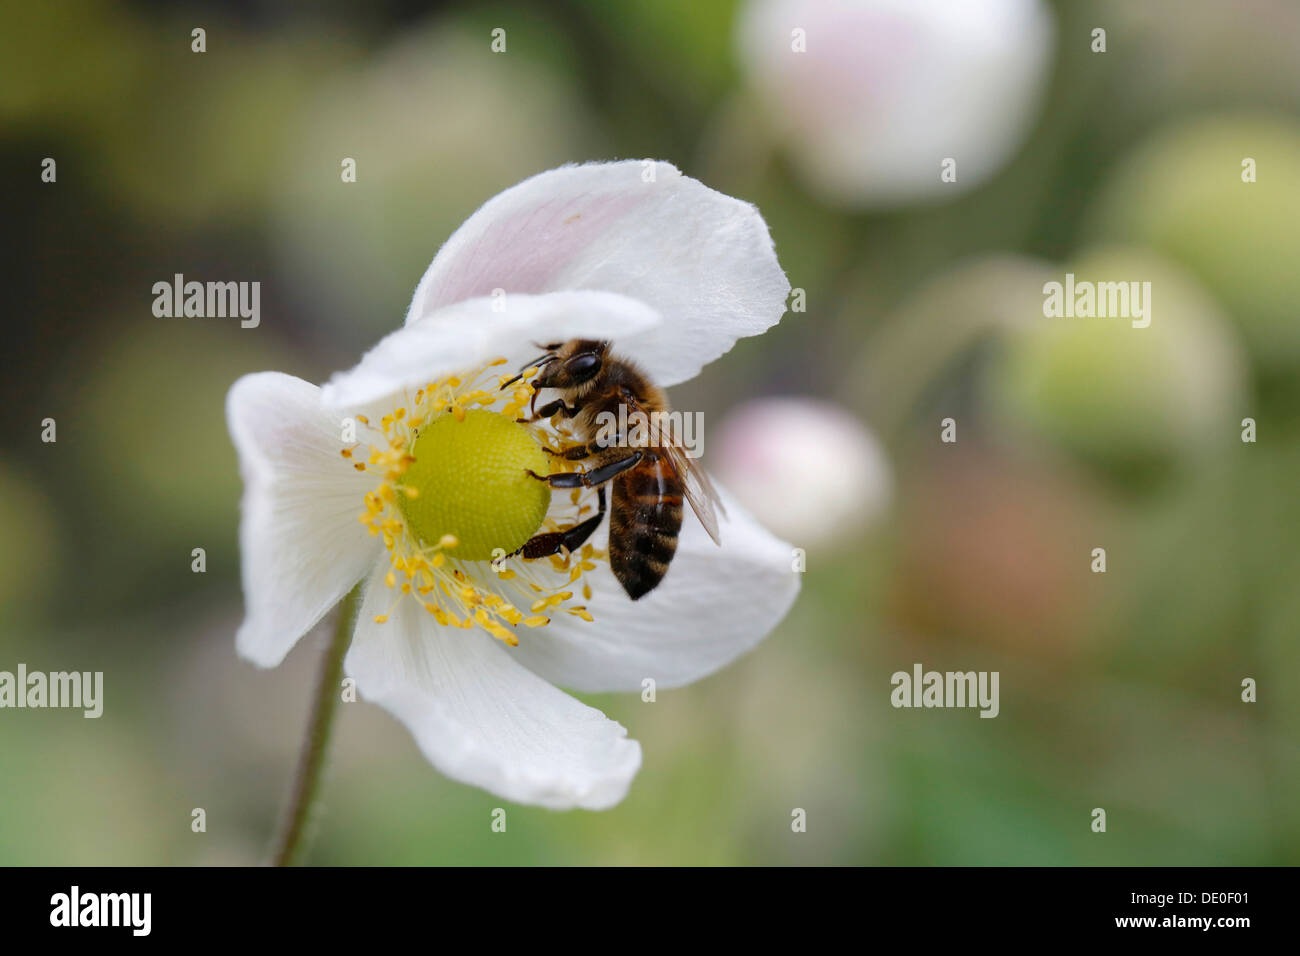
{"x":455,"y":502}
{"x":472,"y":482}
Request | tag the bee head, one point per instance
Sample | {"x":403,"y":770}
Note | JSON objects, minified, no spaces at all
{"x":570,"y":364}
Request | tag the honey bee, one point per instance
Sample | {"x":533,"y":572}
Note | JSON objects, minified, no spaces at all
{"x":647,"y":482}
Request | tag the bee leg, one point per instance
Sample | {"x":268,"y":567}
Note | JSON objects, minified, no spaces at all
{"x":589,"y":479}
{"x":549,"y":409}
{"x":601,"y":446}
{"x":542,"y":545}
{"x":576,"y":453}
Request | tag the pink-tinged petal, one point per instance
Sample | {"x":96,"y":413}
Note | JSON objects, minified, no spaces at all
{"x":805,"y":467}
{"x":482,"y":718}
{"x":885,"y":91}
{"x":301,"y":546}
{"x":702,"y":260}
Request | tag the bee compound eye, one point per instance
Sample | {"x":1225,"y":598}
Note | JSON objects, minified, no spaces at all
{"x":582,"y":367}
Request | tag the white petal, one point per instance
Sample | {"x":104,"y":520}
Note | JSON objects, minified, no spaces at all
{"x":702,"y":260}
{"x":466,"y":335}
{"x":714,"y":604}
{"x":481,"y":717}
{"x":300,"y":543}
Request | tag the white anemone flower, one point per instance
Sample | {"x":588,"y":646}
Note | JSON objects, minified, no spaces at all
{"x":458,"y":639}
{"x":805,"y":467}
{"x":871,"y":96}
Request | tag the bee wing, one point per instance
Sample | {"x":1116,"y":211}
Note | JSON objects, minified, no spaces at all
{"x":698,"y":488}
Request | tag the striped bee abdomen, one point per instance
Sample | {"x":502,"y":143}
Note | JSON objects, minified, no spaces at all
{"x":644,"y":519}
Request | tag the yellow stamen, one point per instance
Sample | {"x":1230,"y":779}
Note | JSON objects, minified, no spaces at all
{"x":448,"y":578}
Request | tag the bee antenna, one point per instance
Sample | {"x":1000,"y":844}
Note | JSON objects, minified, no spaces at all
{"x":533,"y":364}
{"x":539,"y":361}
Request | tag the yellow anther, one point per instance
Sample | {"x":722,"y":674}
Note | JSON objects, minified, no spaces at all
{"x":451,"y":586}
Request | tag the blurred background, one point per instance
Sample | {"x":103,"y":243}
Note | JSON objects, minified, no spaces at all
{"x":922,"y":300}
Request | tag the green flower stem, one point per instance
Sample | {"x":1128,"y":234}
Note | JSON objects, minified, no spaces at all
{"x":291,"y":842}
